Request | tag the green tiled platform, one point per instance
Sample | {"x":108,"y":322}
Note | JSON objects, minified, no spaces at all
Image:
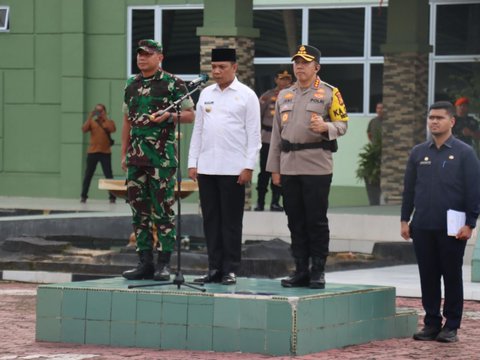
{"x":254,"y":316}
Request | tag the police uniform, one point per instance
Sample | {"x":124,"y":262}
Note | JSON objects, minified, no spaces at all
{"x":304,"y":160}
{"x":267,"y":111}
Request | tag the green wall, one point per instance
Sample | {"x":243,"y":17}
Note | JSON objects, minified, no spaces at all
{"x":58,"y":60}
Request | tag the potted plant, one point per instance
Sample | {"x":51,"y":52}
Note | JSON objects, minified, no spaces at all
{"x":369,"y":163}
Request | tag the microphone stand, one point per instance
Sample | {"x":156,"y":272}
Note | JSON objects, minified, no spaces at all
{"x":179,"y":279}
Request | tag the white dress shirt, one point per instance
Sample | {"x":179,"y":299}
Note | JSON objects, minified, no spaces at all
{"x":226,"y":134}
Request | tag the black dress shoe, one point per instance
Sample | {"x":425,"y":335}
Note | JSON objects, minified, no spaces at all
{"x":229,"y":279}
{"x":213,"y":276}
{"x":258,"y":208}
{"x":297,"y":279}
{"x":428,"y":333}
{"x":276,"y":207}
{"x":447,"y":335}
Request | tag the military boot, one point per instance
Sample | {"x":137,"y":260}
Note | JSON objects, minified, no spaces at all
{"x":317,"y":273}
{"x":144,"y":269}
{"x":300,"y":276}
{"x":163,"y":266}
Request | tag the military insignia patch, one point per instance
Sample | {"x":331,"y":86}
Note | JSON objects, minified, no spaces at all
{"x":339,"y":97}
{"x":285,"y":117}
{"x":288,"y":96}
{"x":208,"y":109}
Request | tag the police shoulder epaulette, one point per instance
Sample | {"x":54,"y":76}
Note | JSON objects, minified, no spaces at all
{"x":328,"y":85}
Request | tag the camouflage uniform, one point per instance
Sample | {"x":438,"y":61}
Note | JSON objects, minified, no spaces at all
{"x":151,"y":157}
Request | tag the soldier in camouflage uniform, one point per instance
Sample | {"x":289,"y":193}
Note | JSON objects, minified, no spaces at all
{"x":149,"y":157}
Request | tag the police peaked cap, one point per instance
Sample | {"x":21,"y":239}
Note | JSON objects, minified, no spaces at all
{"x":308,"y":53}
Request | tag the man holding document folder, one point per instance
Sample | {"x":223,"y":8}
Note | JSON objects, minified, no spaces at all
{"x":442,"y":174}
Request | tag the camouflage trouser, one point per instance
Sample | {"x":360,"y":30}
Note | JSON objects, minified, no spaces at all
{"x":151,"y":195}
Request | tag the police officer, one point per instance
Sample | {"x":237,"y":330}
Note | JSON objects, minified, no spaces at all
{"x":309,"y":117}
{"x":283,"y":79}
{"x":149,"y":157}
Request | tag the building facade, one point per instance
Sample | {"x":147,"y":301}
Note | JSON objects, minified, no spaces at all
{"x":58,"y":58}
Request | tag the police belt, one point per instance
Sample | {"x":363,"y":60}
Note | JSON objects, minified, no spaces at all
{"x":287,"y":146}
{"x":266,"y":128}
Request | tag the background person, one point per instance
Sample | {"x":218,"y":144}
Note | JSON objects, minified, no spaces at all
{"x":309,"y":117}
{"x":374,"y":134}
{"x":100,"y":148}
{"x":150,"y":158}
{"x":441,"y":174}
{"x":466,"y":127}
{"x":283,"y":79}
{"x":374,"y":128}
{"x":223,"y":151}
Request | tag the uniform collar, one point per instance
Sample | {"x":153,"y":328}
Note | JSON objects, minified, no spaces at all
{"x":157,"y":76}
{"x":448,"y":143}
{"x":314,"y":85}
{"x":234,"y":85}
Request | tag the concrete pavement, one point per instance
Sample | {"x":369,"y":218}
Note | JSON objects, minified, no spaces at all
{"x":17,"y":339}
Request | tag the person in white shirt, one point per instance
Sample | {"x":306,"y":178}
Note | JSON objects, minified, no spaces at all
{"x":223,"y":150}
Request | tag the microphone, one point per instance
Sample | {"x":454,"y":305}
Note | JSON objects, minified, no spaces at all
{"x":202,"y":78}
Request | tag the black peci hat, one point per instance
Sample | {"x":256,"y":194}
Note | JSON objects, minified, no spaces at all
{"x":224,"y":54}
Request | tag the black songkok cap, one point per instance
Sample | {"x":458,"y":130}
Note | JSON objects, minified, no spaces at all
{"x":224,"y":54}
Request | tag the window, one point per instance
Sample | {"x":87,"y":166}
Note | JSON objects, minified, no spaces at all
{"x":376,"y":86}
{"x":455,"y":79}
{"x":280,"y":32}
{"x":458,"y":29}
{"x":348,"y":37}
{"x":4,"y":23}
{"x":264,"y":76}
{"x":143,"y":27}
{"x":455,"y":62}
{"x":337,"y":32}
{"x":349,"y":80}
{"x":175,"y":28}
{"x":379,"y":29}
{"x":180,"y":41}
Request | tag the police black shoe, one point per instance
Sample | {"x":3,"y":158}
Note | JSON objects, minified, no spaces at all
{"x":428,"y":333}
{"x":276,"y":207}
{"x":213,"y":276}
{"x":447,"y":335}
{"x":83,"y":200}
{"x":229,"y":279}
{"x":259,"y":208}
{"x":297,"y":279}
